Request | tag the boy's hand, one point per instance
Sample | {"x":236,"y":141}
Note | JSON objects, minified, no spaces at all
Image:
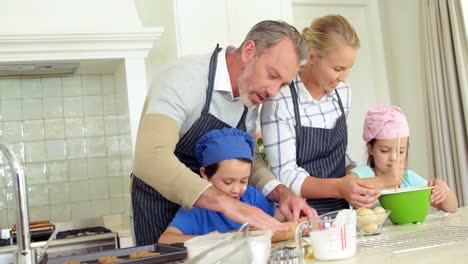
{"x":440,"y":191}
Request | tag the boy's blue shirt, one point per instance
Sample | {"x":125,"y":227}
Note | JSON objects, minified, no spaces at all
{"x":200,"y":221}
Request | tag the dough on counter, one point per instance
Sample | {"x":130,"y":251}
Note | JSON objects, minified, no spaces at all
{"x":143,"y":254}
{"x":109,"y":259}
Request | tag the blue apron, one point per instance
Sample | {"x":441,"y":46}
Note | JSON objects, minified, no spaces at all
{"x":321,"y":152}
{"x":152,"y":213}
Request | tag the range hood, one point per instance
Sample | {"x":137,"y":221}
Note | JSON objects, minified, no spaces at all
{"x":36,"y":69}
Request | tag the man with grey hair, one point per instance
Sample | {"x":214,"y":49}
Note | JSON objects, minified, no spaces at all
{"x":198,"y":94}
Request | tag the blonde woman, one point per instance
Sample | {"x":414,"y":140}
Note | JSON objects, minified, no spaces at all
{"x":304,"y":126}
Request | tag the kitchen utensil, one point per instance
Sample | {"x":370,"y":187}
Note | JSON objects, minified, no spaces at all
{"x":333,"y":235}
{"x":168,"y":254}
{"x":408,"y":205}
{"x":42,"y":254}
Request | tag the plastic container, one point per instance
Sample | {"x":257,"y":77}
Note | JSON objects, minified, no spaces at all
{"x":408,"y":205}
{"x":333,"y":235}
{"x":259,"y":246}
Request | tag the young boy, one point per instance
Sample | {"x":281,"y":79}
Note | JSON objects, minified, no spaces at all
{"x":226,"y":159}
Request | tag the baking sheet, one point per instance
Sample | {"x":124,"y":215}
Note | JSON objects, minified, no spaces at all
{"x":168,"y":254}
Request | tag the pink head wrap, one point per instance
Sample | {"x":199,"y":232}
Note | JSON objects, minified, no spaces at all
{"x":385,"y":122}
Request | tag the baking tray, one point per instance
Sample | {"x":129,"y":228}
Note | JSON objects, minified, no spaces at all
{"x":168,"y":254}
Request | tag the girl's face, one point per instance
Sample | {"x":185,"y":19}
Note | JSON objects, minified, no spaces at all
{"x":332,"y":68}
{"x":384,"y":152}
{"x":231,"y":177}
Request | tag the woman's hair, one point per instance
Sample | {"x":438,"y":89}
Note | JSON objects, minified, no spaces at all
{"x":329,"y":32}
{"x":268,"y":33}
{"x":370,"y":158}
{"x":210,"y":170}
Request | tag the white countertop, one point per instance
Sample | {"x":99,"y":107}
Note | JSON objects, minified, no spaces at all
{"x":446,"y":233}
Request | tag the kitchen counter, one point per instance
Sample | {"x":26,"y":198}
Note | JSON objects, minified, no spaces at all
{"x":431,"y":242}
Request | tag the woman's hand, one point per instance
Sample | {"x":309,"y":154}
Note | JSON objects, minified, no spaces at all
{"x":440,"y":191}
{"x":358,"y":192}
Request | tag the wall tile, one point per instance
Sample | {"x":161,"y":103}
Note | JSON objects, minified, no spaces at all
{"x":31,"y":88}
{"x":39,"y":213}
{"x":33,"y":130}
{"x":12,"y":215}
{"x":19,"y":150}
{"x":107,"y":82}
{"x":79,"y":191}
{"x":100,"y":207}
{"x":109,"y":105}
{"x":12,"y":131}
{"x":93,"y":105}
{"x":3,"y":199}
{"x":114,"y":166}
{"x":34,"y":151}
{"x":55,"y":150}
{"x":115,"y":187}
{"x":94,"y":126}
{"x":51,"y":87}
{"x":11,"y":110}
{"x":32,"y":109}
{"x":71,"y":86}
{"x":73,"y":106}
{"x":4,"y":220}
{"x":60,"y":212}
{"x":57,"y":171}
{"x":10,"y":89}
{"x":124,"y":124}
{"x":96,"y":146}
{"x":97,"y":168}
{"x":116,"y":205}
{"x":58,"y":193}
{"x":80,"y":210}
{"x":111,"y":125}
{"x":54,"y":128}
{"x":36,"y":173}
{"x":98,"y":189}
{"x":38,"y":195}
{"x":113,"y":146}
{"x":91,"y":84}
{"x":77,"y":169}
{"x":53,"y":107}
{"x":76,"y":148}
{"x":74,"y":127}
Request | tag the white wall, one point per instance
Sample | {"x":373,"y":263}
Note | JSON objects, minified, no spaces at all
{"x":402,"y":50}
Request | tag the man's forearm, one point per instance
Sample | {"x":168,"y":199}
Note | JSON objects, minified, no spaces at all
{"x":156,"y":164}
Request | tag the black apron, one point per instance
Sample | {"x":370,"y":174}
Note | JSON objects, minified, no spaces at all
{"x":321,"y":152}
{"x":152,"y":213}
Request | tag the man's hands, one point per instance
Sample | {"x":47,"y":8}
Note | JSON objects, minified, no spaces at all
{"x":358,"y":192}
{"x":291,"y":205}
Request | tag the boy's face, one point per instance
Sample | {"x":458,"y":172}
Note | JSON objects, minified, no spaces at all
{"x":231,"y":177}
{"x":385,"y":153}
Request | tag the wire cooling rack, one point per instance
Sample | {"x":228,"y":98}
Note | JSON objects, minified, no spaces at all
{"x":430,"y":237}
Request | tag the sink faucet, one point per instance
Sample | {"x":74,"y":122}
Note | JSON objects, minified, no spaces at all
{"x":24,"y":255}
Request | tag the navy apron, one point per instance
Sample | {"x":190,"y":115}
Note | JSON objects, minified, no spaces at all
{"x":152,"y":213}
{"x":321,"y":152}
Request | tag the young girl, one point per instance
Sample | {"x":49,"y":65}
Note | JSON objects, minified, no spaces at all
{"x":382,"y":127}
{"x":226,"y":159}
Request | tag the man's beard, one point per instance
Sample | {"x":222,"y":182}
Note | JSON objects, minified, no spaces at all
{"x":244,"y":83}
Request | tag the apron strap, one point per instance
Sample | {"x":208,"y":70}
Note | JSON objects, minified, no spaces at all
{"x":297,"y":116}
{"x":211,"y":77}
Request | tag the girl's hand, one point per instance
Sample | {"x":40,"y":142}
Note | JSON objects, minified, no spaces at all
{"x":440,"y":191}
{"x":392,"y":178}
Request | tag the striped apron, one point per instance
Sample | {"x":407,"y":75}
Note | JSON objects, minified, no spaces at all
{"x":321,"y":152}
{"x":152,"y":213}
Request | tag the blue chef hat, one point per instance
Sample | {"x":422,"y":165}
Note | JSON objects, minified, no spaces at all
{"x":221,"y":144}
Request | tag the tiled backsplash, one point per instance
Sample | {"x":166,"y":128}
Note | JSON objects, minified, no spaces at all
{"x":73,"y":136}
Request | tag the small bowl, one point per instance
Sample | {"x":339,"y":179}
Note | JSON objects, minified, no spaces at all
{"x":408,"y":205}
{"x":370,"y":223}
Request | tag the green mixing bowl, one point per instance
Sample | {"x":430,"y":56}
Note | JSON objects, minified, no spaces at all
{"x":408,"y":205}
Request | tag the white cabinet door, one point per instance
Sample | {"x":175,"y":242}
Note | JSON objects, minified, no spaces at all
{"x":368,"y":77}
{"x":203,"y":23}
